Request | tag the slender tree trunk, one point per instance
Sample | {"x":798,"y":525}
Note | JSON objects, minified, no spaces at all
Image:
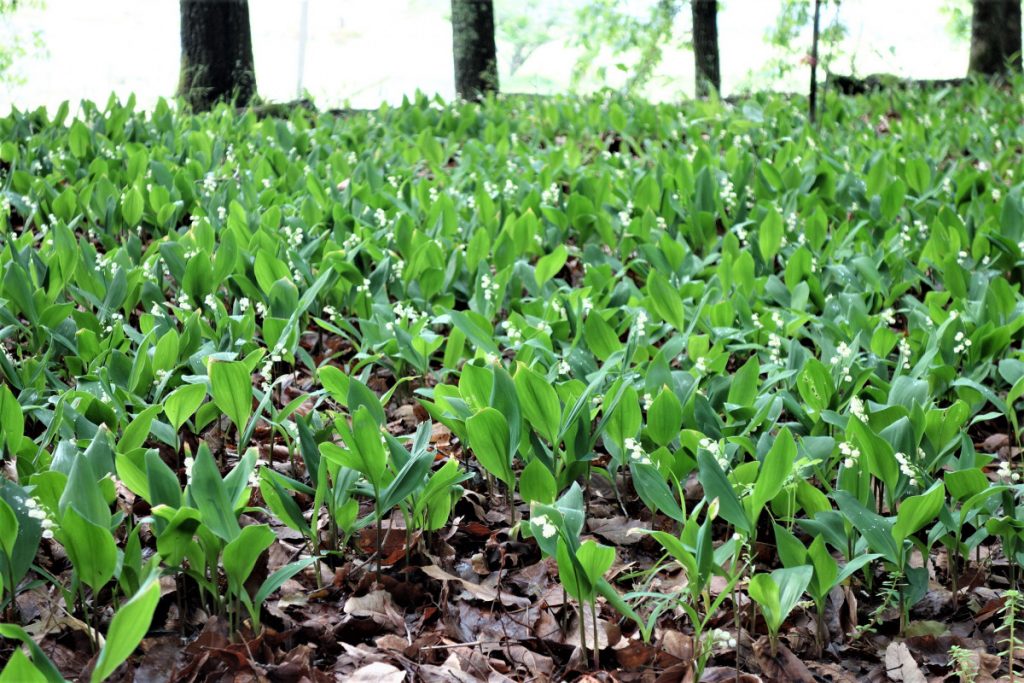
{"x":216,"y":53}
{"x":705,"y":46}
{"x":476,"y":59}
{"x":995,"y":37}
{"x":812,"y":99}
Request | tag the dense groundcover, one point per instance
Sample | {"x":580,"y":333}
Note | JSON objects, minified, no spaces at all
{"x":444,"y":392}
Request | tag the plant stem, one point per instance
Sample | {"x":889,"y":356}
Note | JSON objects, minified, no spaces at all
{"x":597,"y":646}
{"x":583,"y":632}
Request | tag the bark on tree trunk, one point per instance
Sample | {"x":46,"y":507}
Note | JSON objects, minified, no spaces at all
{"x":705,"y":46}
{"x":995,"y":37}
{"x":812,"y":97}
{"x":476,"y":59}
{"x":216,"y":53}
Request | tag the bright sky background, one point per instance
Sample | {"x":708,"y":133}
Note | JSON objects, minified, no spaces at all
{"x":367,"y":51}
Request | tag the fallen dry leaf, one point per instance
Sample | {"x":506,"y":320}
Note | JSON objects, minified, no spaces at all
{"x":900,"y":664}
{"x":378,"y":672}
{"x":376,"y":605}
{"x":783,"y":665}
{"x":475,"y":590}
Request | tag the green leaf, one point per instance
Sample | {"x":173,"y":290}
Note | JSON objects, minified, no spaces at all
{"x":361,"y":395}
{"x":232,"y":390}
{"x":666,"y":301}
{"x":90,"y":547}
{"x":779,"y":592}
{"x":877,"y":530}
{"x":549,"y":264}
{"x":652,"y":488}
{"x":210,"y":494}
{"x":41,"y":662}
{"x":537,"y":484}
{"x":743,"y":390}
{"x":539,"y":402}
{"x":128,"y":627}
{"x":19,"y":669}
{"x":12,"y":421}
{"x":183,"y":402}
{"x":83,"y":493}
{"x":132,"y":205}
{"x":241,"y":554}
{"x":717,"y":485}
{"x":595,"y":559}
{"x":664,"y":418}
{"x":335,"y":382}
{"x":815,"y":385}
{"x":489,"y":438}
{"x":409,"y":479}
{"x":8,"y":529}
{"x":277,"y":579}
{"x":776,"y":468}
{"x":917,"y":511}
{"x":136,"y":433}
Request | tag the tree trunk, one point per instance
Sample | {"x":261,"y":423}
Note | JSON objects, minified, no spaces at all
{"x":476,"y":59}
{"x":705,"y":46}
{"x":995,"y":37}
{"x":216,"y":53}
{"x":812,"y":96}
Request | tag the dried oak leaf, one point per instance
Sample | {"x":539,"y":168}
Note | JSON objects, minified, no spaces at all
{"x":378,"y":672}
{"x":900,"y":664}
{"x":783,"y":665}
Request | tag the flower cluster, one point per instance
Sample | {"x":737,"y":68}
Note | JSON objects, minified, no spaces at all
{"x":728,"y":193}
{"x":775,"y":347}
{"x":718,"y":638}
{"x":636,"y":451}
{"x":641,"y":323}
{"x":547,"y":529}
{"x":626,"y":215}
{"x":962,"y":343}
{"x":905,"y":467}
{"x":904,"y":347}
{"x":294,"y":235}
{"x":1006,"y":473}
{"x":857,"y":409}
{"x":490,"y":288}
{"x":715,"y":449}
{"x":850,"y":454}
{"x":514,"y":334}
{"x":37,"y":511}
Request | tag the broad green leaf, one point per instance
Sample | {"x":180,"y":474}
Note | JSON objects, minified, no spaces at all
{"x":549,"y":264}
{"x":183,"y":402}
{"x":537,"y":484}
{"x":128,"y":627}
{"x":776,"y":468}
{"x":489,"y":438}
{"x":241,"y":554}
{"x":8,"y":529}
{"x":231,"y":384}
{"x":12,"y":421}
{"x":539,"y":403}
{"x":664,"y":417}
{"x":917,"y":511}
{"x":20,"y":669}
{"x":210,"y":494}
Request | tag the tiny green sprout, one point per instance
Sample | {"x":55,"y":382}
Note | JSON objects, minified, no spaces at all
{"x":964,"y":664}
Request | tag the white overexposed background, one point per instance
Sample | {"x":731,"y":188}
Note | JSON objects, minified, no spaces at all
{"x":364,"y":52}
